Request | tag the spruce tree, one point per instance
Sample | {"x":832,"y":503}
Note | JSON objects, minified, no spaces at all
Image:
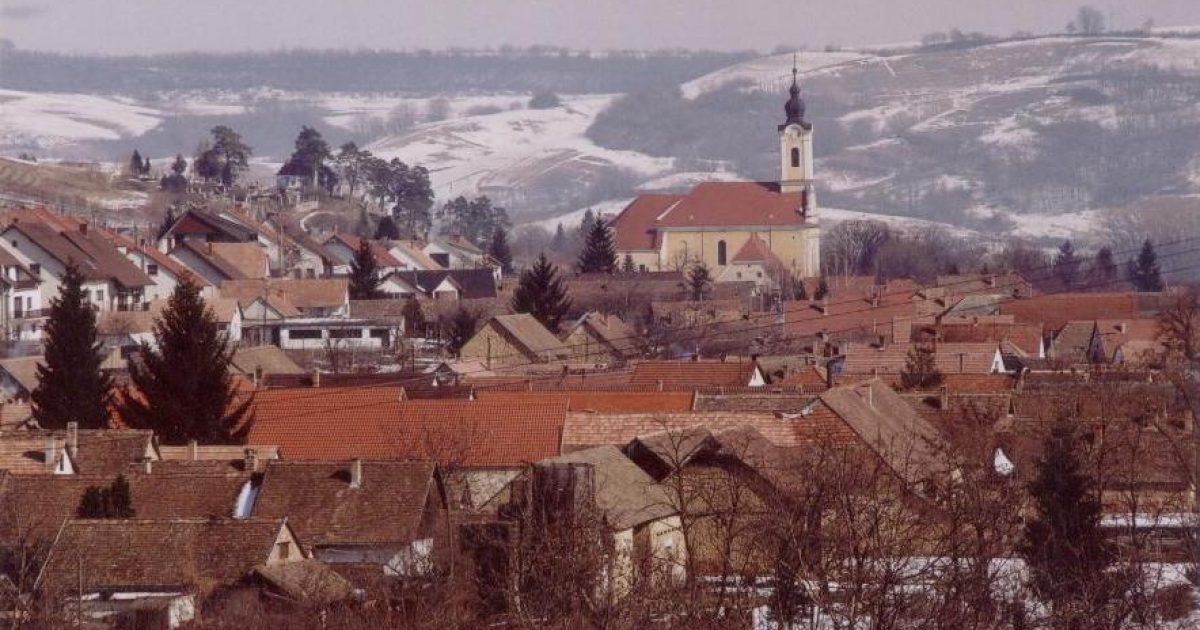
{"x":181,"y":388}
{"x":920,"y":369}
{"x":1066,"y":264}
{"x":387,"y":229}
{"x":1104,"y":269}
{"x":541,"y":293}
{"x":135,"y":163}
{"x":1144,"y":271}
{"x":499,"y":250}
{"x":364,"y":273}
{"x":1063,"y":546}
{"x":414,"y":316}
{"x":71,"y":386}
{"x":559,"y":243}
{"x":599,"y":253}
{"x":698,"y":280}
{"x":822,"y":291}
{"x":627,"y":265}
{"x":460,"y":329}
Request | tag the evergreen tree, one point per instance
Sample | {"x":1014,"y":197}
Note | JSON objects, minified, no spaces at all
{"x":920,"y":369}
{"x":559,"y":243}
{"x":801,"y":290}
{"x":499,"y":250}
{"x":1066,"y":265}
{"x":1144,"y":271}
{"x":599,"y":253}
{"x":387,"y":230}
{"x":414,"y":317}
{"x":135,"y":163}
{"x":473,"y":219}
{"x":309,"y":155}
{"x":176,"y":181}
{"x":541,"y":293}
{"x":1104,"y":269}
{"x":461,"y":328}
{"x":115,"y":501}
{"x":698,"y":280}
{"x":71,"y":387}
{"x":1064,"y":548}
{"x":822,"y":291}
{"x":181,"y":388}
{"x":179,"y":166}
{"x":364,"y":273}
{"x":227,"y":156}
{"x":627,"y":265}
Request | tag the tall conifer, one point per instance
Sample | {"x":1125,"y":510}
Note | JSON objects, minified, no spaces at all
{"x":599,"y":253}
{"x":541,"y":293}
{"x":71,"y":386}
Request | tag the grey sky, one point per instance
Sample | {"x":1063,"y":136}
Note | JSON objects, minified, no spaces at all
{"x":150,"y":26}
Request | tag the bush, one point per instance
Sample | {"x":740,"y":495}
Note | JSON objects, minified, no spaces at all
{"x":544,"y":100}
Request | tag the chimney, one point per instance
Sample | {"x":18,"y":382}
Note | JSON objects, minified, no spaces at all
{"x":258,"y":375}
{"x":829,"y":375}
{"x":209,"y":248}
{"x":250,"y":460}
{"x":990,"y":280}
{"x":51,"y":453}
{"x":824,"y":306}
{"x":147,"y":466}
{"x":72,"y":438}
{"x":870,"y":395}
{"x":1122,"y":328}
{"x":356,"y":473}
{"x":944,"y":398}
{"x":193,"y":450}
{"x":316,"y":377}
{"x":83,"y":228}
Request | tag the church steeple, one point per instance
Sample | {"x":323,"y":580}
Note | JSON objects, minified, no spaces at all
{"x":795,"y":149}
{"x":794,"y":108}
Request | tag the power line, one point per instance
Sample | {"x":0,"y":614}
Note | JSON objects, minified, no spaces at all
{"x":553,"y":377}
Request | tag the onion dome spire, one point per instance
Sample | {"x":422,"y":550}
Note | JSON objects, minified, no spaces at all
{"x":795,"y":105}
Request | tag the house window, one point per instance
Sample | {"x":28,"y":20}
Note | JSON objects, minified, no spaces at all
{"x":720,"y":252}
{"x":795,"y":158}
{"x":379,"y":333}
{"x":28,"y":303}
{"x":99,"y":296}
{"x":304,"y":333}
{"x":285,"y":550}
{"x":152,"y":270}
{"x":642,"y":268}
{"x":35,"y":269}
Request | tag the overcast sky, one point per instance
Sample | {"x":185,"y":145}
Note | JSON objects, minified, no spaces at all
{"x":151,"y":26}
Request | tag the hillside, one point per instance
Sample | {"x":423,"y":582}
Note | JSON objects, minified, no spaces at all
{"x":1044,"y":137}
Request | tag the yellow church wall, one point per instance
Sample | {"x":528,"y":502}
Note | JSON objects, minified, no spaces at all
{"x":792,"y":247}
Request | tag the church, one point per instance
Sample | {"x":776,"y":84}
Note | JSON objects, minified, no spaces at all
{"x":739,"y":230}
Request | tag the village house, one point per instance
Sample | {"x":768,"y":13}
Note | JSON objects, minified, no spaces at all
{"x":715,"y":222}
{"x":601,"y":338}
{"x":514,"y":341}
{"x":391,"y":514}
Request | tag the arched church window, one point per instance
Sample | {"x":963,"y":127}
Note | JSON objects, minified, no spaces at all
{"x":795,"y":158}
{"x":720,"y":252}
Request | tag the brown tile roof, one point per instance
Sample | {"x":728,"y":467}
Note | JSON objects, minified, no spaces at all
{"x":609,"y":330}
{"x":692,"y":373}
{"x":584,"y":429}
{"x":950,"y":358}
{"x":383,"y":257}
{"x":1053,"y":311}
{"x":633,"y":228}
{"x":206,"y":253}
{"x":99,"y":452}
{"x":1027,"y":337}
{"x":1116,"y":333}
{"x":302,"y":293}
{"x":601,"y":401}
{"x":1073,"y":342}
{"x":372,"y":423}
{"x":530,"y":335}
{"x":887,"y":423}
{"x":96,"y":258}
{"x":625,"y":494}
{"x":415,"y":252}
{"x":23,"y":370}
{"x":270,"y":359}
{"x":250,"y":259}
{"x":762,"y":402}
{"x":320,"y":503}
{"x":734,"y":203}
{"x":149,"y":554}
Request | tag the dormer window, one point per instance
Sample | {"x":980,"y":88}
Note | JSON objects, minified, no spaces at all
{"x":151,"y":270}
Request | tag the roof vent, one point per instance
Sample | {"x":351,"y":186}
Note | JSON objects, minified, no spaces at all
{"x":356,"y":473}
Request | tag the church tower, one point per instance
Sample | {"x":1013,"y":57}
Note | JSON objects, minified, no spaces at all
{"x":795,"y":151}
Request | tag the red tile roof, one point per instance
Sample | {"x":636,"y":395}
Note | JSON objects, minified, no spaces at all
{"x":1054,"y":310}
{"x":634,"y":227}
{"x":372,"y":423}
{"x":383,"y":257}
{"x":735,"y":203}
{"x":692,"y":373}
{"x":755,"y":250}
{"x":600,"y":401}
